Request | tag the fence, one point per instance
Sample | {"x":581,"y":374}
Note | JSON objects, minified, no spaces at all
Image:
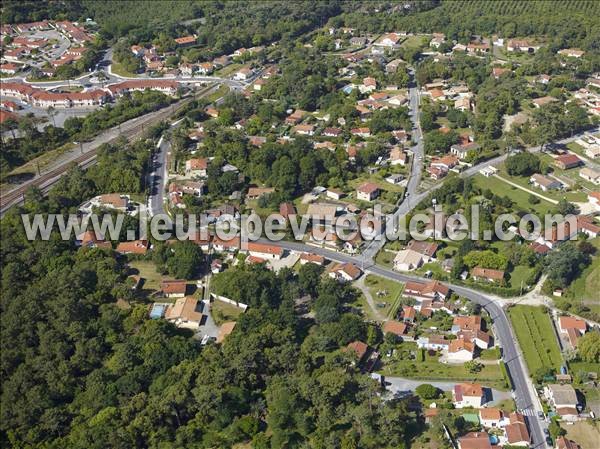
{"x":230,"y":301}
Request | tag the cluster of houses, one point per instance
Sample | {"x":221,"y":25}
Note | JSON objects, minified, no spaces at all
{"x":21,"y":47}
{"x":154,"y":61}
{"x":45,"y":98}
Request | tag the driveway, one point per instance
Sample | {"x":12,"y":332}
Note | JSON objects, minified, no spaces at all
{"x":402,"y":385}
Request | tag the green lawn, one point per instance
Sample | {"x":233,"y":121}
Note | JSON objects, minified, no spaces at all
{"x":384,"y":291}
{"x":385,"y":258}
{"x":229,"y":70}
{"x":520,"y":275}
{"x":536,"y":337}
{"x":407,"y":362}
{"x":220,"y":92}
{"x":223,"y":312}
{"x":147,"y":270}
{"x":519,"y":196}
{"x":586,"y":287}
{"x":118,"y":69}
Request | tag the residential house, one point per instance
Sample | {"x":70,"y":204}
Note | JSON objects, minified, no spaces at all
{"x":544,"y":182}
{"x":408,"y":260}
{"x":571,"y":52}
{"x":466,"y":323}
{"x":433,"y":343}
{"x":332,"y":132}
{"x":264,"y":251}
{"x":295,"y":117}
{"x":133,"y":247}
{"x":358,"y":348}
{"x":564,"y":399}
{"x":89,"y":239}
{"x":361,"y":132}
{"x":173,"y":288}
{"x":516,"y":432}
{"x":400,"y":135}
{"x":369,"y":84}
{"x":112,"y":201}
{"x":430,"y":290}
{"x":393,"y":65}
{"x":196,"y":167}
{"x":567,"y":161}
{"x":490,"y":417}
{"x":463,"y":104}
{"x":367,"y":191}
{"x":590,"y":174}
{"x":345,"y":272}
{"x":256,"y":192}
{"x":572,"y":328}
{"x":395,"y":328}
{"x":311,"y":258}
{"x":243,"y":74}
{"x":468,"y":395}
{"x":335,"y":194}
{"x":460,"y":351}
{"x":305,"y":130}
{"x":216,"y":266}
{"x":389,"y":40}
{"x":487,"y":274}
{"x":184,"y":313}
{"x":167,"y":87}
{"x":475,"y":48}
{"x":409,"y":314}
{"x":461,"y":151}
{"x":398,"y":156}
{"x":427,"y":249}
{"x":395,"y":179}
{"x":521,"y":45}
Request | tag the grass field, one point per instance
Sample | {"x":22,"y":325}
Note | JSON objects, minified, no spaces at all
{"x":147,"y":270}
{"x":404,"y":365}
{"x":229,"y":70}
{"x":519,"y":196}
{"x":536,"y":337}
{"x":384,"y":291}
{"x":585,"y":433}
{"x":221,"y":91}
{"x":222,"y":312}
{"x":118,"y":69}
{"x":586,"y":287}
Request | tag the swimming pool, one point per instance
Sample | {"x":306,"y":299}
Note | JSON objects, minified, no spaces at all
{"x":158,"y":310}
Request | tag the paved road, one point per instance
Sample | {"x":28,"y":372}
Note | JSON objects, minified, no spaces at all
{"x":159,"y":175}
{"x":525,"y":396}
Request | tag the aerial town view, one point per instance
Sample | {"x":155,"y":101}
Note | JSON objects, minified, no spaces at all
{"x":300,"y":224}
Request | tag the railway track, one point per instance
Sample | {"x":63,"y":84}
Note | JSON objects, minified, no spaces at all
{"x":46,"y":180}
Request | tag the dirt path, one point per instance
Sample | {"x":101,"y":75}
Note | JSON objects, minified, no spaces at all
{"x":365,"y":290}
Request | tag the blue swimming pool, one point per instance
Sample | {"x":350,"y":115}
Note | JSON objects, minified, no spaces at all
{"x":158,"y":310}
{"x":494,"y":439}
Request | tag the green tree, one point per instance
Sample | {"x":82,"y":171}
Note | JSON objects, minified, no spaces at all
{"x":588,"y":347}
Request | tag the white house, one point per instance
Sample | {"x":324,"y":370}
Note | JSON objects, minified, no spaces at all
{"x":407,"y":260}
{"x":184,"y":313}
{"x":264,"y":251}
{"x":367,"y":191}
{"x":460,"y":351}
{"x":468,"y":395}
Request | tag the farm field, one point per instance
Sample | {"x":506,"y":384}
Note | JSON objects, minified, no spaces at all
{"x":536,"y":337}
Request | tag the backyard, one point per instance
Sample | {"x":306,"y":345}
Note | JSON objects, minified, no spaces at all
{"x":411,"y":362}
{"x":536,"y":337}
{"x":223,"y":312}
{"x":585,"y":433}
{"x":147,"y":271}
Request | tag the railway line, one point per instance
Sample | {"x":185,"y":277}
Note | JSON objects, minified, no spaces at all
{"x":46,"y":180}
